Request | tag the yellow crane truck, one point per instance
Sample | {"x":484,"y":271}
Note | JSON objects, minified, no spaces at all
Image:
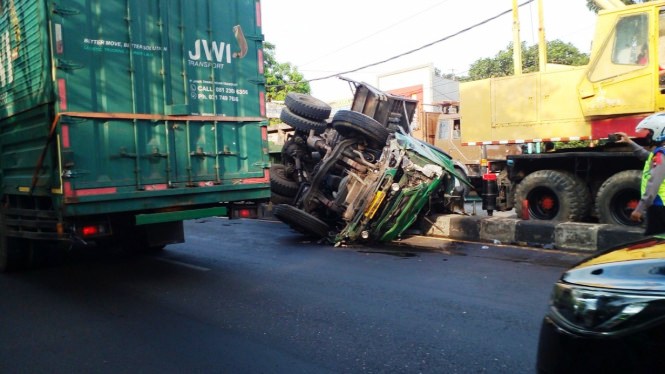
{"x":622,"y":84}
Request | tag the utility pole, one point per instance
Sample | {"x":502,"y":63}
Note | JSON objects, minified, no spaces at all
{"x":517,"y":44}
{"x":542,"y":42}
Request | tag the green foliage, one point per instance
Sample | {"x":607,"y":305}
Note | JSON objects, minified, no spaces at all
{"x":439,"y":73}
{"x":501,"y":64}
{"x":593,"y":7}
{"x":572,"y":144}
{"x":281,"y":78}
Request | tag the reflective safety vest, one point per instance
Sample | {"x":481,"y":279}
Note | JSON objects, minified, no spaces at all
{"x":646,"y":174}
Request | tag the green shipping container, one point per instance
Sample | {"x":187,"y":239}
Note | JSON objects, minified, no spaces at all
{"x":139,"y":111}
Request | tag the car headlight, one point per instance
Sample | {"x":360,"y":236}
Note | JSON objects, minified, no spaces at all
{"x":603,"y":312}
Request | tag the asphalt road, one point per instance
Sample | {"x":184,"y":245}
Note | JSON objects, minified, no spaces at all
{"x":253,"y":297}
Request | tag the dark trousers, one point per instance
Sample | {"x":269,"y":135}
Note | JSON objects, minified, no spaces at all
{"x":655,"y":220}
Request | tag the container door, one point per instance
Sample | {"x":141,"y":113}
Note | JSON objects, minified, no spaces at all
{"x":110,"y":85}
{"x":215,"y":70}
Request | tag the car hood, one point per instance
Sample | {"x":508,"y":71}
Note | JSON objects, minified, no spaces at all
{"x":637,"y":266}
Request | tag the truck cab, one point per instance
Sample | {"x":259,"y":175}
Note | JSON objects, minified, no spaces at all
{"x":624,"y":81}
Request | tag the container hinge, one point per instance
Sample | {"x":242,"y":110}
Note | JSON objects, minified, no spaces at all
{"x":201,"y":153}
{"x":156,"y":154}
{"x":226,"y":152}
{"x":70,"y":173}
{"x":67,"y":65}
{"x":125,"y":154}
{"x":66,"y":11}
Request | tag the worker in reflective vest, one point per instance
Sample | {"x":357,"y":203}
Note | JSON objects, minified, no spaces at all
{"x":652,"y":201}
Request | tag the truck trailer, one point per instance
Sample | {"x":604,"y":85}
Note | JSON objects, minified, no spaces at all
{"x":121,"y":119}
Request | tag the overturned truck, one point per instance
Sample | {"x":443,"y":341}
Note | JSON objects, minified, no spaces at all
{"x":360,"y":176}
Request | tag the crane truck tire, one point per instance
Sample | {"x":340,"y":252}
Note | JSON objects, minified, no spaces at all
{"x":618,"y":196}
{"x":307,"y":106}
{"x":280,"y":183}
{"x":301,"y":221}
{"x":553,"y":195}
{"x":351,"y":124}
{"x":301,"y":123}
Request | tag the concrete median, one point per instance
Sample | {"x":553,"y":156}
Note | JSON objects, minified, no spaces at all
{"x":505,"y":228}
{"x":584,"y":237}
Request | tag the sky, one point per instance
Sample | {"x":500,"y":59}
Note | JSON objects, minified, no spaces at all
{"x":323,"y":38}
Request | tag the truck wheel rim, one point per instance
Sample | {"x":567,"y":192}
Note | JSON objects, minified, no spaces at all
{"x":622,"y":205}
{"x":543,"y":204}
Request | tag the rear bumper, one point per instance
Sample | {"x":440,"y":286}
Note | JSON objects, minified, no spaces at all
{"x":146,"y":219}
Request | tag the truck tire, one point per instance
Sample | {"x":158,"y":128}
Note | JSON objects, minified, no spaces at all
{"x":553,"y":195}
{"x":307,"y":106}
{"x":460,"y":184}
{"x":618,"y":196}
{"x":352,"y":124}
{"x":302,"y":123}
{"x":280,"y":183}
{"x":301,"y":221}
{"x":276,"y":199}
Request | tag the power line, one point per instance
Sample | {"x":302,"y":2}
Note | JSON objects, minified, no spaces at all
{"x":481,"y":23}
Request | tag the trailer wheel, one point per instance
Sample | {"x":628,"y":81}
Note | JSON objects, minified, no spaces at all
{"x":301,"y":221}
{"x":352,"y":124}
{"x":280,"y":183}
{"x":618,"y":196}
{"x":553,"y":195}
{"x":302,"y":123}
{"x":307,"y":106}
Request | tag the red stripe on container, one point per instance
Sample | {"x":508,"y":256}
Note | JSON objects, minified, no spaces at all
{"x":258,"y":14}
{"x":62,"y":93}
{"x":156,"y":187}
{"x":260,"y":58}
{"x":92,"y":191}
{"x":64,"y":135}
{"x":265,"y":179}
{"x":68,"y":189}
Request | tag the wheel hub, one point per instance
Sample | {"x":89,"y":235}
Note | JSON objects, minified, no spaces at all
{"x":547,"y":203}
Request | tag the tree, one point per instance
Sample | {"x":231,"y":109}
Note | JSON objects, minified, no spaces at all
{"x":592,"y":5}
{"x":281,"y":78}
{"x":501,"y":64}
{"x":439,"y":73}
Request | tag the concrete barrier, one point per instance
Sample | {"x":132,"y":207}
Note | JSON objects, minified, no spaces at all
{"x":497,"y":229}
{"x":569,"y":236}
{"x":584,"y":237}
